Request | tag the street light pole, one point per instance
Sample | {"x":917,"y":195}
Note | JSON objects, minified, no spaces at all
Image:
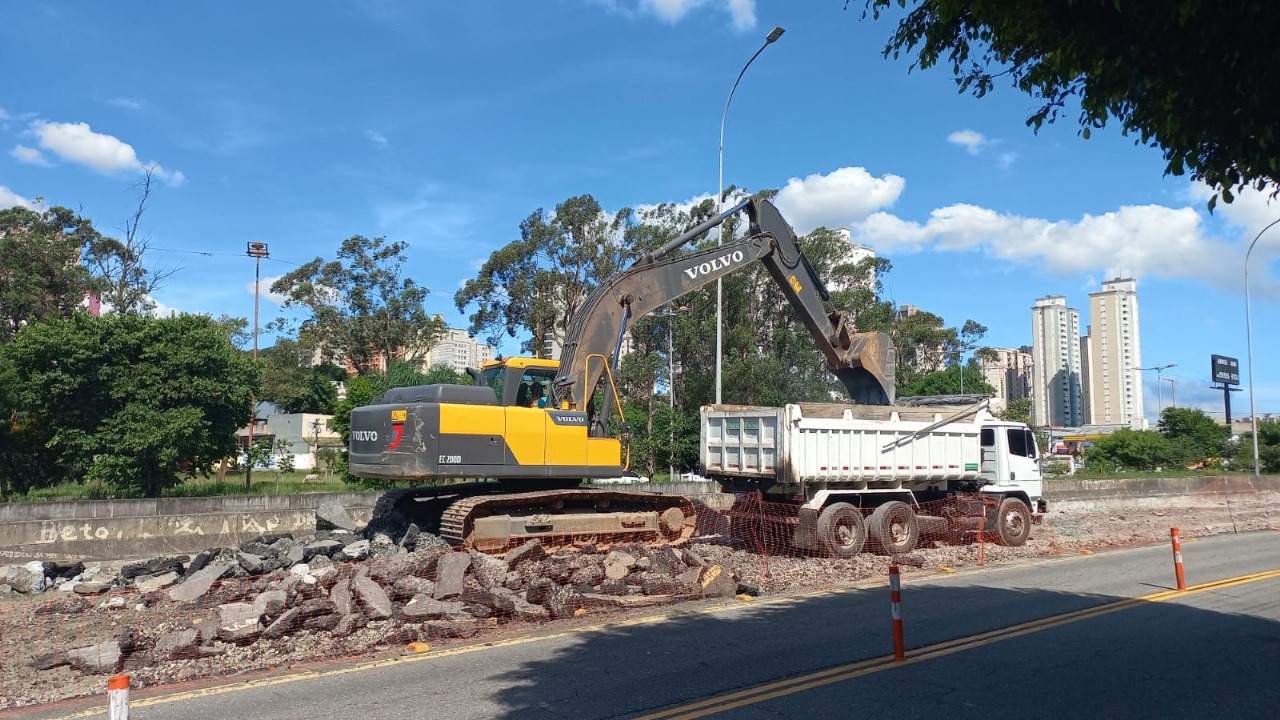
{"x":1248,"y":334}
{"x":773,"y":35}
{"x":1159,"y":397}
{"x":670,"y":317}
{"x":257,"y":251}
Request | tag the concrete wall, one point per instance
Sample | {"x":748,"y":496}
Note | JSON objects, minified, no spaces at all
{"x":124,"y":529}
{"x":121,"y":529}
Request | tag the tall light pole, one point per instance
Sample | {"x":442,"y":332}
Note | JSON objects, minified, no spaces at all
{"x":1248,"y":334}
{"x":1159,"y":398}
{"x":773,"y":35}
{"x":1173,"y":392}
{"x":257,"y":251}
{"x":670,"y":317}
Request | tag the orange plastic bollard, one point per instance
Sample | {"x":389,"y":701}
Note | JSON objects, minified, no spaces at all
{"x":1177,"y":558}
{"x":895,"y":611}
{"x":118,"y":697}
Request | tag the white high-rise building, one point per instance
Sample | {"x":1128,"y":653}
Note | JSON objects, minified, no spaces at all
{"x":1115,"y":386}
{"x":458,"y":351}
{"x":1008,"y":370}
{"x":1056,"y":392}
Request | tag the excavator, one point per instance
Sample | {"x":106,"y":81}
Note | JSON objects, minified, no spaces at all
{"x":531,"y":461}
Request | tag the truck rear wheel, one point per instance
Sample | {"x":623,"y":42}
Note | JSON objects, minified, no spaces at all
{"x":894,"y":528}
{"x":842,"y":530}
{"x":1013,"y":522}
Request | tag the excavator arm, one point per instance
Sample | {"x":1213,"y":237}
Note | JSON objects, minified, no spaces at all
{"x":863,"y":362}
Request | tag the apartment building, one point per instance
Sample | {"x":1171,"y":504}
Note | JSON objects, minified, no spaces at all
{"x":1008,"y":370}
{"x":1056,"y":387}
{"x":1113,"y":382}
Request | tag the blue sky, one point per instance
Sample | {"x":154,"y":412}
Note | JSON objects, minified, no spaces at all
{"x":445,"y":124}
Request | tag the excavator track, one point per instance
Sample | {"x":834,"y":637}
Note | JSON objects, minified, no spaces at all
{"x":494,"y":523}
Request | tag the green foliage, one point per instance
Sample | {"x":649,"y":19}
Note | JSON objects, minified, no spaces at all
{"x":328,"y":456}
{"x":1192,"y":78}
{"x":1268,"y":448}
{"x":124,"y":400}
{"x":284,"y":457}
{"x":1195,"y":437}
{"x":291,"y":382}
{"x":361,"y":308}
{"x":537,"y":282}
{"x":259,"y":454}
{"x":1127,"y":449}
{"x":1017,"y":411}
{"x":41,"y":277}
{"x":948,"y":382}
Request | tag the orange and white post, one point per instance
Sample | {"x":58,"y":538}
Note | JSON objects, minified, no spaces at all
{"x":118,"y":697}
{"x":1177,"y":558}
{"x":895,"y":611}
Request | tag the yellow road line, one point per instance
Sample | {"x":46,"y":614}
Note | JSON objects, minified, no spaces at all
{"x":769,"y":691}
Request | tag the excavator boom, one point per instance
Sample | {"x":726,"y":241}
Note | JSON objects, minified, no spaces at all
{"x":863,"y":362}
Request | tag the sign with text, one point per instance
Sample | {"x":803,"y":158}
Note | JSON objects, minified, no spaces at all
{"x":1226,"y":370}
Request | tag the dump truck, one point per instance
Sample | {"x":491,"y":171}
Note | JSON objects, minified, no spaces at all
{"x":524,"y":466}
{"x":849,"y":476}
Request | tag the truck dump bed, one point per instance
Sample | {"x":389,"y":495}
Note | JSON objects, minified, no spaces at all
{"x":856,"y":446}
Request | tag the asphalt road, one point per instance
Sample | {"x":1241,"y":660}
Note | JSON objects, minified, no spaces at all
{"x":1088,"y":636}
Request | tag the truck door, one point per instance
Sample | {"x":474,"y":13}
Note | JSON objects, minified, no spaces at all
{"x":1024,"y":462}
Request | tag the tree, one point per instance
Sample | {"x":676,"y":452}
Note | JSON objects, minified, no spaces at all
{"x":1125,"y":449}
{"x":947,"y":382}
{"x":1196,"y":79}
{"x":328,"y":456}
{"x":41,"y":277}
{"x":290,"y":380}
{"x":537,"y":282}
{"x":124,"y":400}
{"x":127,"y":284}
{"x":1268,"y":447}
{"x":1018,"y":410}
{"x":1194,"y":436}
{"x":284,"y":457}
{"x":361,"y":308}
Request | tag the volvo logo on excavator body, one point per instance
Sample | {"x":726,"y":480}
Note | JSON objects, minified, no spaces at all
{"x":719,"y":263}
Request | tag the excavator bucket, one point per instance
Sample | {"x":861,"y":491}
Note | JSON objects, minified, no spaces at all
{"x":869,"y":368}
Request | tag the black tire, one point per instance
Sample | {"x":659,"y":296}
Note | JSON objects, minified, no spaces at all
{"x":1013,"y":522}
{"x":842,"y":530}
{"x":894,"y":528}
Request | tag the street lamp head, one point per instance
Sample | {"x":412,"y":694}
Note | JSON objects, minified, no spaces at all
{"x":774,"y":34}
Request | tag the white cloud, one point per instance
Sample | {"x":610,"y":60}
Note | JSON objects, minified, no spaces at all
{"x":1007,"y":160}
{"x":742,"y":12}
{"x":127,"y":103}
{"x":29,"y":155}
{"x":970,"y":140}
{"x":376,"y":138}
{"x":1134,"y":241}
{"x":108,"y":154}
{"x":1251,"y":210}
{"x":9,"y":199}
{"x":79,"y":143}
{"x":265,"y":293}
{"x":837,"y":199}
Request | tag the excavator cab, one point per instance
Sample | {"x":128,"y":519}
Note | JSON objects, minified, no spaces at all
{"x":517,"y":381}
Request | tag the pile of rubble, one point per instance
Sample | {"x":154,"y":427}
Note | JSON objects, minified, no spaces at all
{"x":412,"y":587}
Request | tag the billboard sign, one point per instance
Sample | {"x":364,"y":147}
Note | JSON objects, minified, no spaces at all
{"x":1226,"y":370}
